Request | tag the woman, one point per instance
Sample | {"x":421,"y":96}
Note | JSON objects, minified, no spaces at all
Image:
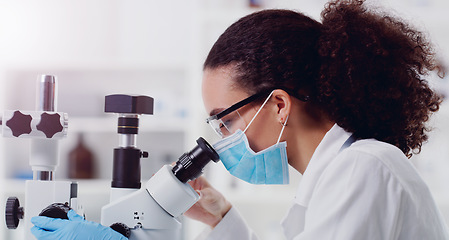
{"x":353,"y":92}
{"x":348,"y":97}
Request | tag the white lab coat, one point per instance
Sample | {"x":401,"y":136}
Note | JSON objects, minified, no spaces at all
{"x":368,"y":190}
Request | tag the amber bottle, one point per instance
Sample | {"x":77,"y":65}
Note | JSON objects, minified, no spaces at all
{"x":81,"y":161}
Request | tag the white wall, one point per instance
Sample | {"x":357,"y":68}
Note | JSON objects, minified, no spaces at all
{"x":89,"y":34}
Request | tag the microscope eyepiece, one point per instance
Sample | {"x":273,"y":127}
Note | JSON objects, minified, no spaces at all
{"x":190,"y":165}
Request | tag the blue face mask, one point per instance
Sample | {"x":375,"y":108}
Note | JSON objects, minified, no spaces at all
{"x":269,"y":166}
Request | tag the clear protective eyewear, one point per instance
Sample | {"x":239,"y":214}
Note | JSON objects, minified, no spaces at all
{"x":229,"y":120}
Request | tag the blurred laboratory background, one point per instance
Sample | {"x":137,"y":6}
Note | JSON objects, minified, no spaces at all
{"x":156,"y":48}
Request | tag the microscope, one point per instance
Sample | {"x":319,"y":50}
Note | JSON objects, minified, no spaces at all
{"x":139,"y":213}
{"x":45,"y":127}
{"x":153,"y":211}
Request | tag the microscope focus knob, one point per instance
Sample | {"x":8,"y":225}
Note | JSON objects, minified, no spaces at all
{"x":13,"y":212}
{"x":122,"y":229}
{"x":56,"y":210}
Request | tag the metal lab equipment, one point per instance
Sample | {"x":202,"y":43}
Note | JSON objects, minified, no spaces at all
{"x":45,"y":126}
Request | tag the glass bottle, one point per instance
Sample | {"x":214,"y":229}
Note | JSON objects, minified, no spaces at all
{"x":81,"y":161}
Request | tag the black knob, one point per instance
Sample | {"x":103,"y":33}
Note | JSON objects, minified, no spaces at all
{"x":50,"y":124}
{"x":13,"y":212}
{"x":121,"y":228}
{"x":144,"y":154}
{"x":56,"y":210}
{"x":19,"y":124}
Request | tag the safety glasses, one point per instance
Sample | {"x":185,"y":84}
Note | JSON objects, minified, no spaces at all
{"x":227,"y":121}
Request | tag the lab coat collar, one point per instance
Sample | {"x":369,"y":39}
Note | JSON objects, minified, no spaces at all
{"x":326,"y":151}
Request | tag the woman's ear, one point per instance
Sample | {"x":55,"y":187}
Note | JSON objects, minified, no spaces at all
{"x":283,"y":103}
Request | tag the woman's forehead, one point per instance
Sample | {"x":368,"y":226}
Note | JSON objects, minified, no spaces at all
{"x":219,"y":90}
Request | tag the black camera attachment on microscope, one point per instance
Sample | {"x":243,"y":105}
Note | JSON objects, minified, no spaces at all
{"x":126,"y":167}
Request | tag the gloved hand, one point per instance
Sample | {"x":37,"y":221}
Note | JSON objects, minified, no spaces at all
{"x":76,"y":228}
{"x":211,"y":207}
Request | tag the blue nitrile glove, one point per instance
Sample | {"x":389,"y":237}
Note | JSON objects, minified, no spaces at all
{"x":76,"y":228}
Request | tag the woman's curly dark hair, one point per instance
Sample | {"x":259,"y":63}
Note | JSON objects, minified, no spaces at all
{"x":371,"y":75}
{"x":365,"y":70}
